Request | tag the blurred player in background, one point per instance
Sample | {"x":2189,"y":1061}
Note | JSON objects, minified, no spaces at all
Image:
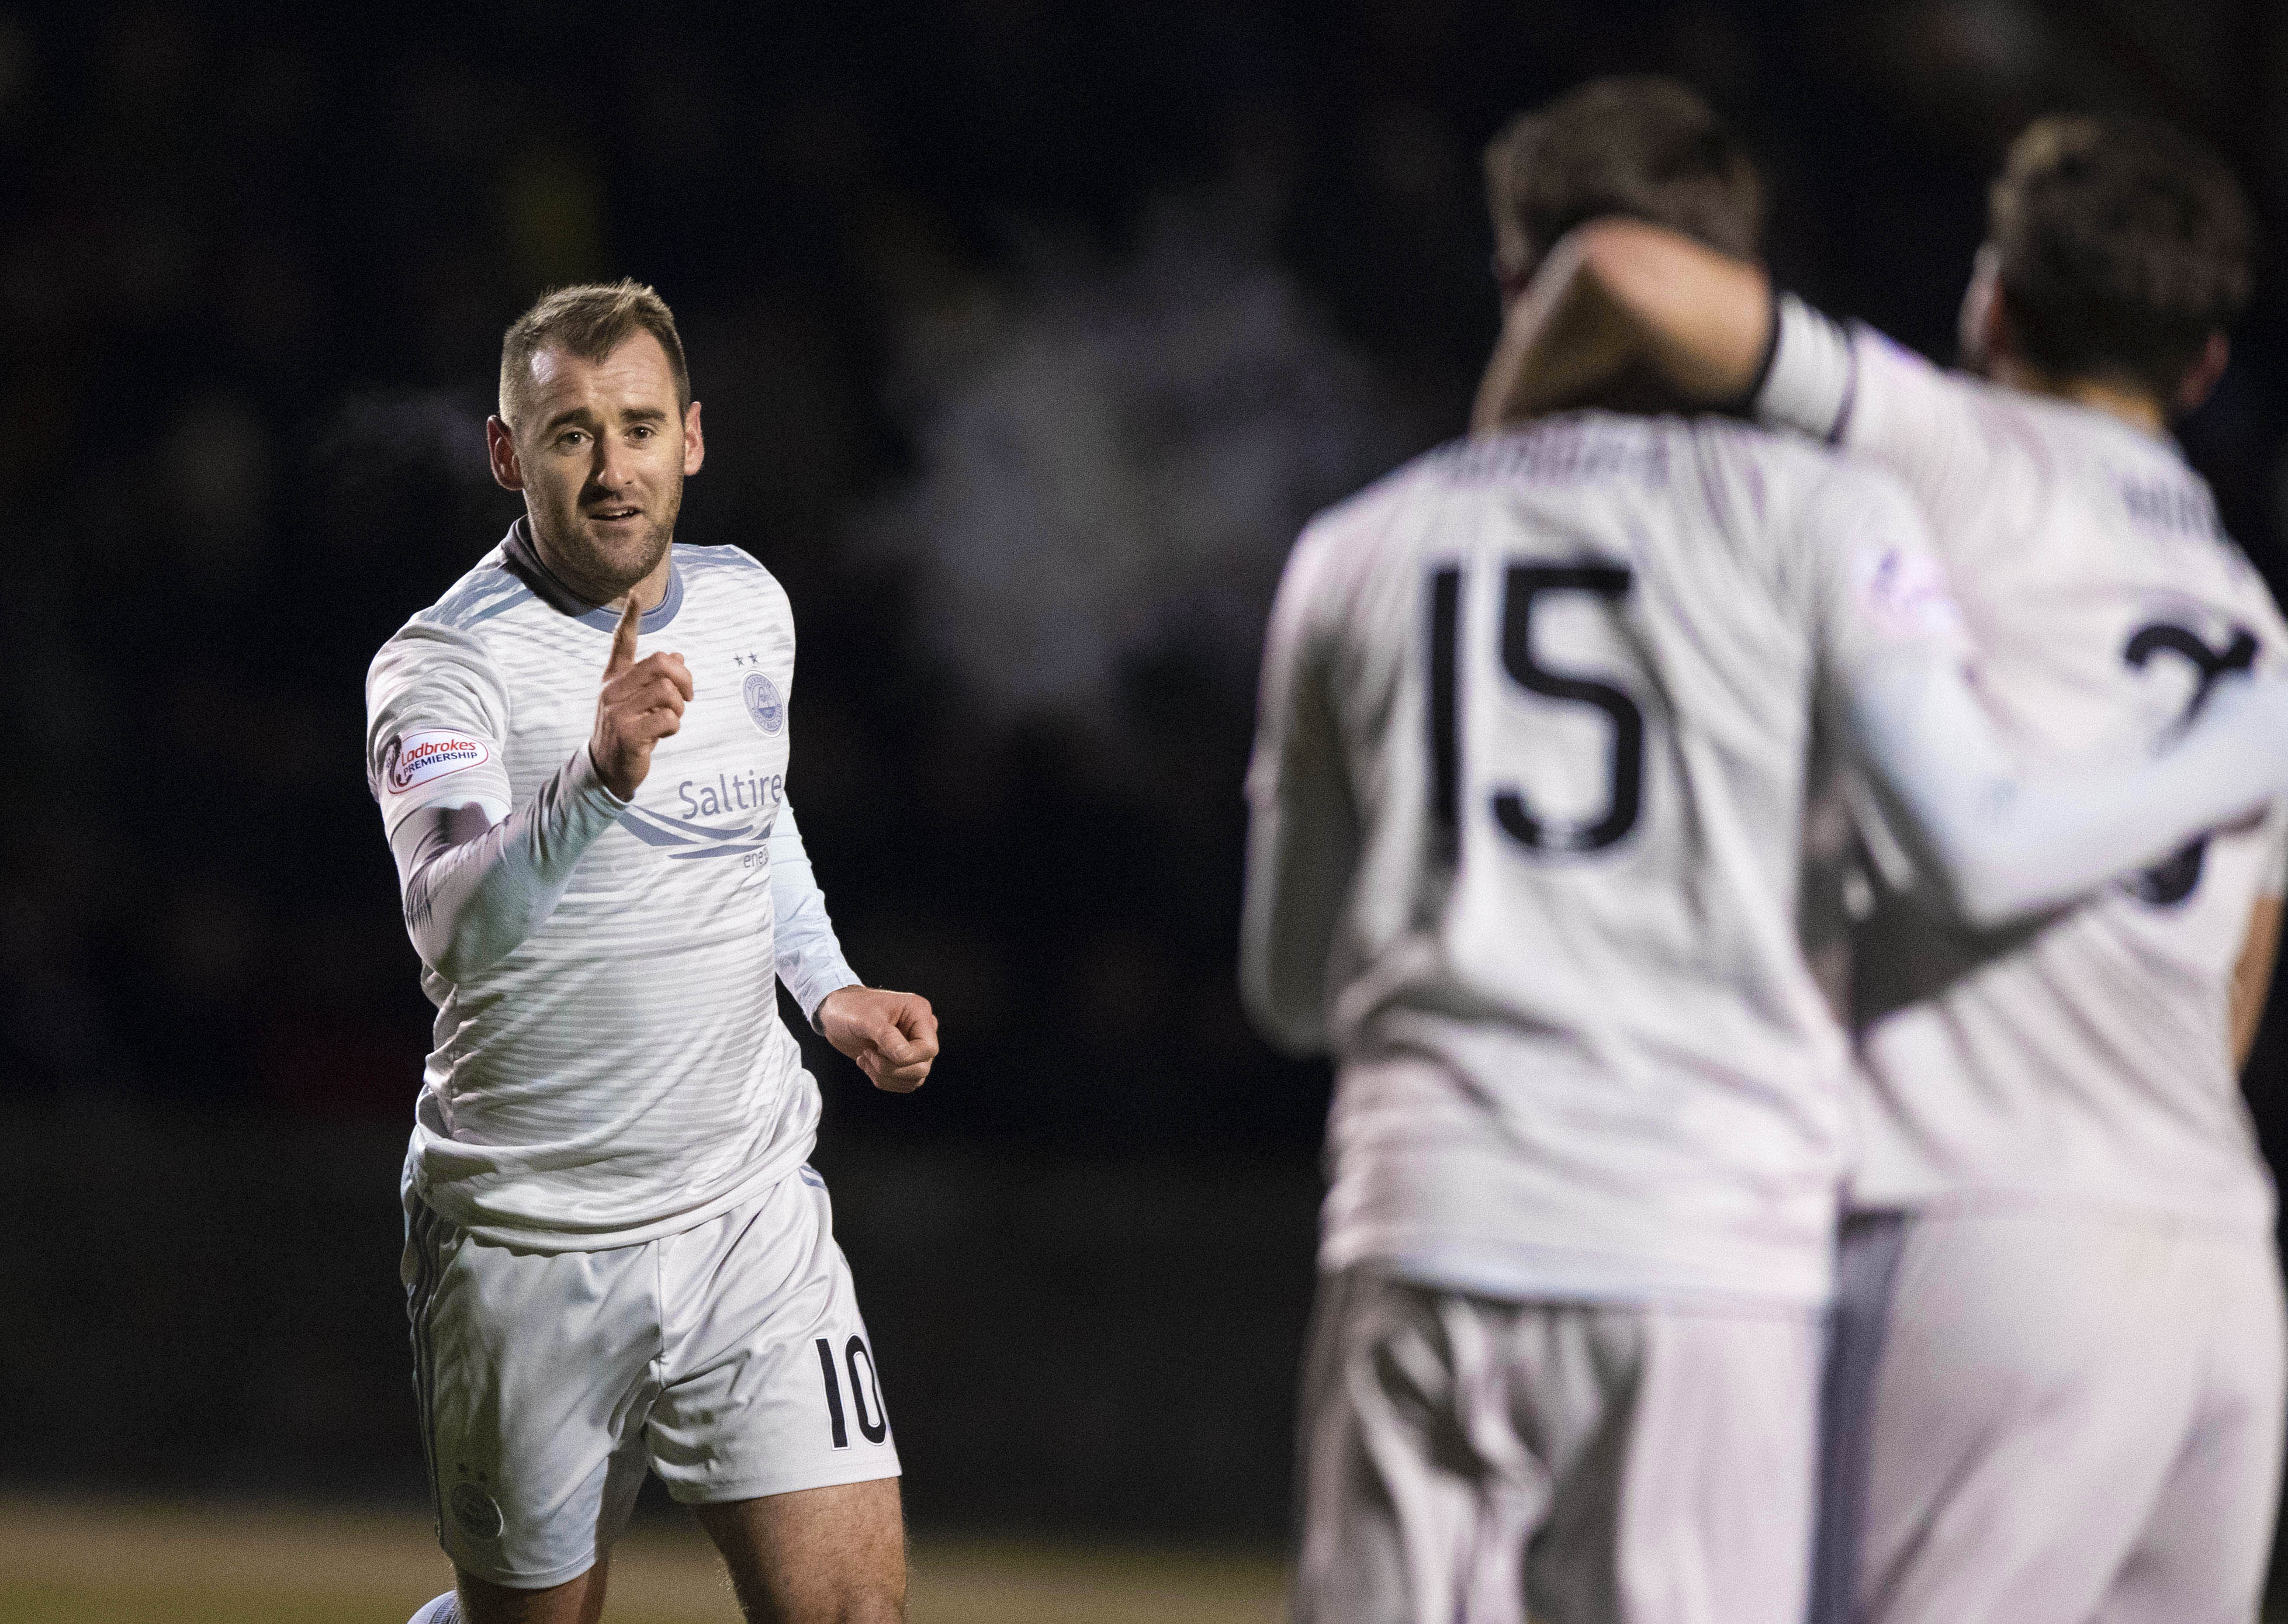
{"x":1536,"y":723}
{"x":617,"y":1257}
{"x":2058,"y":1387}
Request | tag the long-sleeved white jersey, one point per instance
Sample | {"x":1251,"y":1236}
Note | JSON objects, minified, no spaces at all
{"x":1528,"y":804}
{"x":2089,"y":1059}
{"x":620,"y":1071}
{"x":1528,"y":796}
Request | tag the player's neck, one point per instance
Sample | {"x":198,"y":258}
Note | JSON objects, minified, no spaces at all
{"x":650,"y":591}
{"x":2136,"y":407}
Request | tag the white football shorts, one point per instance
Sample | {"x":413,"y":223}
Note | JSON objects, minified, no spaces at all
{"x":730,"y":1360}
{"x":1466,"y":1459}
{"x":2051,"y":1415}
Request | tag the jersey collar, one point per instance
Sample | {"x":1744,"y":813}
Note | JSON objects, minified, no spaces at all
{"x":522,"y":560}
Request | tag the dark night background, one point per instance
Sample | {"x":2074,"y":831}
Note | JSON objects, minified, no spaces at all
{"x":1027,"y":333}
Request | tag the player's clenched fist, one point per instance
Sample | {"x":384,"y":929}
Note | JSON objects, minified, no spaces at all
{"x":893,"y":1036}
{"x":642,"y":703}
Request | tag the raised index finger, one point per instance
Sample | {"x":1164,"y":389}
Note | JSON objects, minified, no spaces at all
{"x":624,"y":639}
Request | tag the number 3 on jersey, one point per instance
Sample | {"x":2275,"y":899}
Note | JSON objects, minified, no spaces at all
{"x":1523,"y":586}
{"x":2167,"y":883}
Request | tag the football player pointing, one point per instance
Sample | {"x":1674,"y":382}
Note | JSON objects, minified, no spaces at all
{"x":1536,"y":721}
{"x":617,"y":1258}
{"x":2058,"y":1387}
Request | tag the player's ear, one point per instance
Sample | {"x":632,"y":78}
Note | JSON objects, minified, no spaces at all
{"x":2215,"y":356}
{"x":500,"y":446}
{"x":1984,"y":328}
{"x":695,"y":443}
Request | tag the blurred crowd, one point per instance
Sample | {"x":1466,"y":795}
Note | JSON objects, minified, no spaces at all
{"x":1027,"y":333}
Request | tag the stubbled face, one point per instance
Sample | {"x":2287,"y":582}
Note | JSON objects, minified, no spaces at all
{"x":601,"y":453}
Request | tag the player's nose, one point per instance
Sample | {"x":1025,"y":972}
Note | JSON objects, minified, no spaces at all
{"x":612,"y":471}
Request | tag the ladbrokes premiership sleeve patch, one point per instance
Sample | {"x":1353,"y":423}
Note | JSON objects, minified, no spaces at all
{"x":418,"y":758}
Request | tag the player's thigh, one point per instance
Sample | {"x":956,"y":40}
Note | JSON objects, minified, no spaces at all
{"x":1379,"y":1519}
{"x":1691,"y":1500}
{"x":2028,"y":1398}
{"x":2201,"y":1558}
{"x":772,"y":1384}
{"x":825,"y":1555}
{"x":532,"y":1375}
{"x":1420,"y":1494}
{"x":577,"y":1601}
{"x":1616,"y":1465}
{"x":1867,"y":1255}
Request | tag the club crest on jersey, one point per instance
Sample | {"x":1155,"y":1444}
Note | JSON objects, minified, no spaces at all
{"x":763,"y":703}
{"x":433,"y":753}
{"x":478,"y":1514}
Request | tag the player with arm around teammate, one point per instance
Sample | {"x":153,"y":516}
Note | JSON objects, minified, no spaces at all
{"x":1536,"y":723}
{"x":617,"y":1258}
{"x":2058,"y":1388}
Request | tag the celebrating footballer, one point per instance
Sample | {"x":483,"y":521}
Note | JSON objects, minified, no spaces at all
{"x":2057,"y":1388}
{"x":617,"y":1258}
{"x":1543,"y":717}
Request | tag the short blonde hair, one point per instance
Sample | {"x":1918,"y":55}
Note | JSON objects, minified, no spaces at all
{"x":590,"y":320}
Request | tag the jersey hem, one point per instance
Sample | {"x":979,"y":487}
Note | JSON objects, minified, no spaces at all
{"x":775,"y":1169}
{"x":2256,"y":1218}
{"x":1527,"y":1272}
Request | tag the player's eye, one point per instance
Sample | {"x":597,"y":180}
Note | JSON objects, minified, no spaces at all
{"x":642,"y":431}
{"x":571,"y":437}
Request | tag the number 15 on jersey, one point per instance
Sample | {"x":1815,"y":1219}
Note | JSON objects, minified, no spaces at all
{"x":1525,"y":588}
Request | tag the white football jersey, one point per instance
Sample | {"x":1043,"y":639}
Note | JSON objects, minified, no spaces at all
{"x":2088,"y":1058}
{"x":622,"y":1073}
{"x":1548,"y":701}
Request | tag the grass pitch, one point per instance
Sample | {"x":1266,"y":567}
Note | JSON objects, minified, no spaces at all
{"x":85,"y":1562}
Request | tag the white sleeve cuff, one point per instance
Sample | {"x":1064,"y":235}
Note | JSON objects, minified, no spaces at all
{"x":832,"y":982}
{"x":583,"y":776}
{"x":1813,"y":376}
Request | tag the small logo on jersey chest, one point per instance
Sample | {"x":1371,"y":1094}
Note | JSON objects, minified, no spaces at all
{"x":763,"y":702}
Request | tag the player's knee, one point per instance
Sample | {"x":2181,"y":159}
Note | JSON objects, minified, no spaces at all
{"x":869,"y":1605}
{"x":877,"y":1608}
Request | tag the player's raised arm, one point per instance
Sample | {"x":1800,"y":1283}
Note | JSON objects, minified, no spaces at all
{"x":1620,"y":297}
{"x":474,"y":889}
{"x":1617,"y":294}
